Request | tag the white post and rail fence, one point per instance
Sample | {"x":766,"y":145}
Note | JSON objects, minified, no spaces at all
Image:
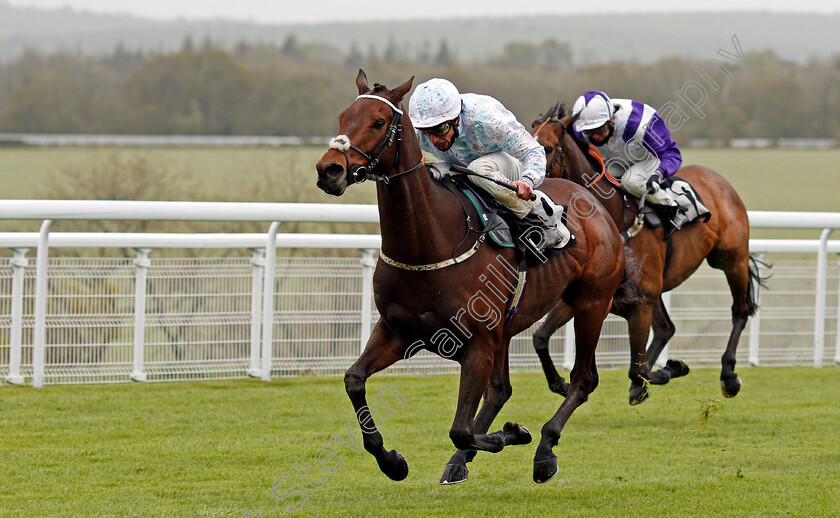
{"x":85,"y":320}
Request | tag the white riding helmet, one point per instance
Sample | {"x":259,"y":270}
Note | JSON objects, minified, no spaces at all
{"x":593,"y":109}
{"x":434,"y":102}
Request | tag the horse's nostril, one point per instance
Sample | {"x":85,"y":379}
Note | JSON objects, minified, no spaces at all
{"x":333,"y":170}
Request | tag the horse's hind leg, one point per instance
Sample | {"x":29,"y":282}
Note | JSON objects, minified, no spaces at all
{"x":584,"y":379}
{"x":556,"y":318}
{"x":498,"y":392}
{"x":381,"y":351}
{"x":737,"y":272}
{"x":477,"y":364}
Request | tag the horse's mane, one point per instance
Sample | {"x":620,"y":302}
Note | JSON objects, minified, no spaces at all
{"x":555,"y":113}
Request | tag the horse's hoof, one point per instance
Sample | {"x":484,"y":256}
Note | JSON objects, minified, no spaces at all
{"x":454,"y":474}
{"x":516,"y":434}
{"x":545,"y":470}
{"x":394,"y":466}
{"x":638,"y":394}
{"x":730,"y":389}
{"x":677,"y":368}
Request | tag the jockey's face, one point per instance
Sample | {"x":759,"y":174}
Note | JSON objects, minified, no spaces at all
{"x":443,"y":135}
{"x":601,"y":134}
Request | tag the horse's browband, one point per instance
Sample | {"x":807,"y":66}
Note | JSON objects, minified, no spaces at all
{"x":384,"y":100}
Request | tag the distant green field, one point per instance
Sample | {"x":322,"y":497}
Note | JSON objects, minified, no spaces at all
{"x":767,"y":179}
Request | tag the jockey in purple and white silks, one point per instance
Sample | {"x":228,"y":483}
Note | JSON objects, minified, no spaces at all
{"x":479,"y":133}
{"x":633,"y":140}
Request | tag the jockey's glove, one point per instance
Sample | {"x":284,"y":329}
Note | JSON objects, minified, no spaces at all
{"x":653,"y":180}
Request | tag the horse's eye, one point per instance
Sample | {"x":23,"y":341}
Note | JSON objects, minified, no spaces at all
{"x":379,"y":124}
{"x":548,"y":150}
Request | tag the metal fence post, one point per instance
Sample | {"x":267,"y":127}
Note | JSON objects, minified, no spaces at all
{"x":39,"y":339}
{"x":837,"y":327}
{"x":569,"y":345}
{"x":142,"y":264}
{"x":819,"y":319}
{"x":755,"y":320}
{"x":19,"y":264}
{"x":666,"y":351}
{"x":268,"y":300}
{"x":258,"y":267}
{"x":368,"y":265}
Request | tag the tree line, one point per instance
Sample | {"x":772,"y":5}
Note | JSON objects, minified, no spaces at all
{"x":294,"y":89}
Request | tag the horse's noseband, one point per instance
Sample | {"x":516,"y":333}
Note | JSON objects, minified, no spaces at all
{"x":360,"y":173}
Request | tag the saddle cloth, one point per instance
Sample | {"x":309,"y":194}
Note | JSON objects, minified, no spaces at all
{"x":687,"y":199}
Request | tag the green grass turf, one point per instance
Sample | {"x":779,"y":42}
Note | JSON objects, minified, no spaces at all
{"x":217,"y":448}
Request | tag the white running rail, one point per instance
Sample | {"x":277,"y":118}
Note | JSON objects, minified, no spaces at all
{"x":261,"y":359}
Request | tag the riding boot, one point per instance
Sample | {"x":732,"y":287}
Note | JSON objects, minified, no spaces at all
{"x":546,"y":229}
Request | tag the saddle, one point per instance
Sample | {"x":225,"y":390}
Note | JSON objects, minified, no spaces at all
{"x":502,"y":226}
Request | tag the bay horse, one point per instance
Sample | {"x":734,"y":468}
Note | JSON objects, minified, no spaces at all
{"x":723,"y":241}
{"x":432,"y":291}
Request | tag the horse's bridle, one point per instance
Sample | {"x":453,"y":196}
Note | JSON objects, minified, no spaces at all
{"x":360,"y":173}
{"x":558,"y":151}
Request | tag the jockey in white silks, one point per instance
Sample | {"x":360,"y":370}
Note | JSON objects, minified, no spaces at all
{"x":479,"y":133}
{"x":635,"y":143}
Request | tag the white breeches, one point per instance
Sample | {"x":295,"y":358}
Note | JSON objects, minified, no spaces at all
{"x":501,"y":166}
{"x":634,"y":180}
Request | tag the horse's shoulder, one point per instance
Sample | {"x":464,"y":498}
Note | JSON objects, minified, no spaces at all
{"x":560,"y":189}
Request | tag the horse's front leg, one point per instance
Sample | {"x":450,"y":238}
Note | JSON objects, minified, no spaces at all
{"x":663,"y":330}
{"x":381,"y":351}
{"x":638,"y":325}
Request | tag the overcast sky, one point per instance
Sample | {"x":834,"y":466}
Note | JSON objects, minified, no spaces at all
{"x":314,"y":11}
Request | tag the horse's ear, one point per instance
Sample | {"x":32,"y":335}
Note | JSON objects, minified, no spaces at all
{"x":400,"y":91}
{"x":361,"y":82}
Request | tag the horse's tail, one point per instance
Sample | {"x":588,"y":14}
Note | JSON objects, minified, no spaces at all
{"x":629,"y":293}
{"x":757,"y":281}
